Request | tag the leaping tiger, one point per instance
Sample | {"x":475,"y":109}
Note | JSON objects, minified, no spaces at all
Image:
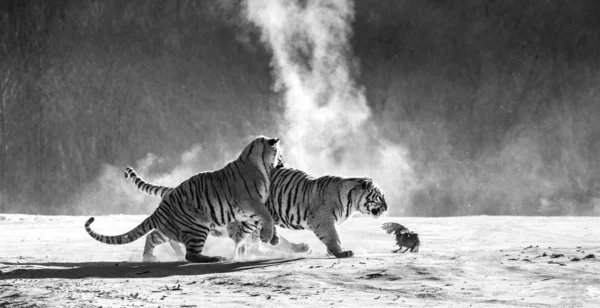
{"x":299,"y":201}
{"x":237,"y":192}
{"x":235,"y":230}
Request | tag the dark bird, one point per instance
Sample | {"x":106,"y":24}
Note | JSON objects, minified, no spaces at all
{"x":404,"y":237}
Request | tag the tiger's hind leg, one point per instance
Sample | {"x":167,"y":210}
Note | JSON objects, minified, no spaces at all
{"x":176,"y":247}
{"x":153,"y":239}
{"x":194,"y":238}
{"x":247,"y":247}
{"x":242,"y":234}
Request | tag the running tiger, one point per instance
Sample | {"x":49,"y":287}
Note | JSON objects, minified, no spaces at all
{"x":299,"y":201}
{"x":237,"y":192}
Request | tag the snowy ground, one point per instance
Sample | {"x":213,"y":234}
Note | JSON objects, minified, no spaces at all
{"x":478,"y":261}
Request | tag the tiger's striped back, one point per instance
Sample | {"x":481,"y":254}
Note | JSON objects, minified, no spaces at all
{"x":298,"y":198}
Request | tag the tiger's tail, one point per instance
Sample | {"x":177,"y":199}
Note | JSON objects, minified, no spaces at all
{"x":144,"y":186}
{"x":146,"y":226}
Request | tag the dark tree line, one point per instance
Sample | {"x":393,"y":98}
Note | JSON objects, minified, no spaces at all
{"x":497,"y":101}
{"x":87,"y":83}
{"x":494,"y":98}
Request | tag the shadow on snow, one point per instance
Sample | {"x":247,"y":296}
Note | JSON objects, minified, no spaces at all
{"x":78,"y":270}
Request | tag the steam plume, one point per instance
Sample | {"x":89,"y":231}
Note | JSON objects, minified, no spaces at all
{"x":327,"y":123}
{"x":112,"y":193}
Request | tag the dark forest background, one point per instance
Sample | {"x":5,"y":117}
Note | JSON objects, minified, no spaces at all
{"x":497,"y":101}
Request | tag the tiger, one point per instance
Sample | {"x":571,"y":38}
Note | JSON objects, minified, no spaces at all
{"x":209,"y":200}
{"x":232,"y":229}
{"x":301,"y":202}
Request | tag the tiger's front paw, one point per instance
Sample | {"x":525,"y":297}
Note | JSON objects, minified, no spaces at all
{"x":199,"y":258}
{"x":343,"y":254}
{"x":275,"y":240}
{"x":267,"y":233}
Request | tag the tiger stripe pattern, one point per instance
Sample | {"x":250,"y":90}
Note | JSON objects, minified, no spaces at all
{"x":211,"y":199}
{"x":151,"y":189}
{"x":301,"y":202}
{"x":237,"y":231}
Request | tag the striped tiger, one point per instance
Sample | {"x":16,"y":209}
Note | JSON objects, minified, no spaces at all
{"x":209,"y":200}
{"x":299,"y":201}
{"x":233,"y":229}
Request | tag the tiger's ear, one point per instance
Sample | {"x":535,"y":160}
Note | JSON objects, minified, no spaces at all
{"x":273,"y":141}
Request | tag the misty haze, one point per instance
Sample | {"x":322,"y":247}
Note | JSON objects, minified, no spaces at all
{"x":476,"y":118}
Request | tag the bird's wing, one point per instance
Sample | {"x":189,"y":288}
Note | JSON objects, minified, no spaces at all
{"x":392,"y":227}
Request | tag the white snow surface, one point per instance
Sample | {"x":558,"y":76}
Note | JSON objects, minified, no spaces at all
{"x":475,"y":261}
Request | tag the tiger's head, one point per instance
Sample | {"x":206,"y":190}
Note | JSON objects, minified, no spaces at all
{"x":264,"y":152}
{"x":372,"y":201}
